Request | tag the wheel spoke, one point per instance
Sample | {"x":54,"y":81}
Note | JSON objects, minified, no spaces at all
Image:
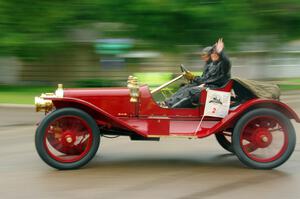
{"x":250,"y":147}
{"x":227,"y":134}
{"x":278,"y":129}
{"x":266,"y":140}
{"x":68,"y":139}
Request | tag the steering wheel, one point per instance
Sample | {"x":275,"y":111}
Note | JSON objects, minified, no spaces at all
{"x":185,"y":72}
{"x":183,"y":68}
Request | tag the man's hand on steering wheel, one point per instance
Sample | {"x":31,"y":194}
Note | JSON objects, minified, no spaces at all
{"x":189,"y":76}
{"x":186,"y":73}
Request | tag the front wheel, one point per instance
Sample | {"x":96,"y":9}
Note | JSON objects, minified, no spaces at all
{"x":263,"y":138}
{"x":67,"y":138}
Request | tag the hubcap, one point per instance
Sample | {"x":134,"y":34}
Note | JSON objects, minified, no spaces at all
{"x":264,"y":138}
{"x":68,"y":139}
{"x":261,"y":137}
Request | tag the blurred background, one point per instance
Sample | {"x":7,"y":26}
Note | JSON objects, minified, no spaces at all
{"x":95,"y":43}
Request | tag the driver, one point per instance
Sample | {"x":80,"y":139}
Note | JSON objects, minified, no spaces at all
{"x":216,"y":74}
{"x":182,"y":94}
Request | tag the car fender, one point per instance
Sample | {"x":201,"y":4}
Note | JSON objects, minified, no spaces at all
{"x":234,"y":114}
{"x":97,"y":113}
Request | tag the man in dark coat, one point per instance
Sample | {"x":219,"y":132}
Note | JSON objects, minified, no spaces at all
{"x":183,"y":93}
{"x":216,"y":74}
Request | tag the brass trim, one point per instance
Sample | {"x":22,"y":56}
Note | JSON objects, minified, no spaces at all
{"x":133,"y":85}
{"x":59,"y":91}
{"x":44,"y":105}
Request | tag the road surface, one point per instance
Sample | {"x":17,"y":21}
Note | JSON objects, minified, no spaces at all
{"x":171,"y":168}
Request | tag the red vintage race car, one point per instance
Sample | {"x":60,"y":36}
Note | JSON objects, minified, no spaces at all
{"x":259,"y":131}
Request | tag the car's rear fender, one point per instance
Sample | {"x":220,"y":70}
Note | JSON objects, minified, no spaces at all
{"x":230,"y":120}
{"x":102,"y":117}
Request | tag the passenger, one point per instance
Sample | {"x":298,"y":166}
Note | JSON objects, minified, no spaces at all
{"x":216,"y":74}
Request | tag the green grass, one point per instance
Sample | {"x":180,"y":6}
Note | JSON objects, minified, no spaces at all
{"x":294,"y":80}
{"x":21,"y":95}
{"x":26,"y":94}
{"x":290,"y":84}
{"x":285,"y":87}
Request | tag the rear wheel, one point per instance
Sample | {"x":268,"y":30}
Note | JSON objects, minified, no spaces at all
{"x":224,"y":139}
{"x":264,"y":138}
{"x":67,"y":138}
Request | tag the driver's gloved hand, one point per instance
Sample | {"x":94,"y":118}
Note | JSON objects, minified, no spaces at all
{"x":189,"y":76}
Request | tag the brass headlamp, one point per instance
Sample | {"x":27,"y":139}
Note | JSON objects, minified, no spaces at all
{"x":42,"y":105}
{"x":45,"y":105}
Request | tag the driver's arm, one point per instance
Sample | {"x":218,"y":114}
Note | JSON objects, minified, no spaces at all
{"x":198,"y":80}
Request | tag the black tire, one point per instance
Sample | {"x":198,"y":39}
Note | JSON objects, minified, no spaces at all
{"x":286,"y":151}
{"x":41,"y":130}
{"x":224,"y":142}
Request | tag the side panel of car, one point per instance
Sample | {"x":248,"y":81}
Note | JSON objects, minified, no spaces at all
{"x":164,"y":126}
{"x":160,"y":121}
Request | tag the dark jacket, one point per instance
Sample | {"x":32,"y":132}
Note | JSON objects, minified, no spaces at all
{"x":216,"y":74}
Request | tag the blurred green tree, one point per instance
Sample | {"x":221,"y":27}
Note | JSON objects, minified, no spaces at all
{"x":34,"y":28}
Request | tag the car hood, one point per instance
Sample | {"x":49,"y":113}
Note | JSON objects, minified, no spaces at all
{"x":115,"y":101}
{"x":83,"y":93}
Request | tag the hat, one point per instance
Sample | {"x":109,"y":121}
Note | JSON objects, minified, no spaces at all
{"x":206,"y":51}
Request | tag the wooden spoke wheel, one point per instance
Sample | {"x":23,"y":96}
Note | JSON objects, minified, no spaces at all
{"x":67,"y":138}
{"x":264,"y":138}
